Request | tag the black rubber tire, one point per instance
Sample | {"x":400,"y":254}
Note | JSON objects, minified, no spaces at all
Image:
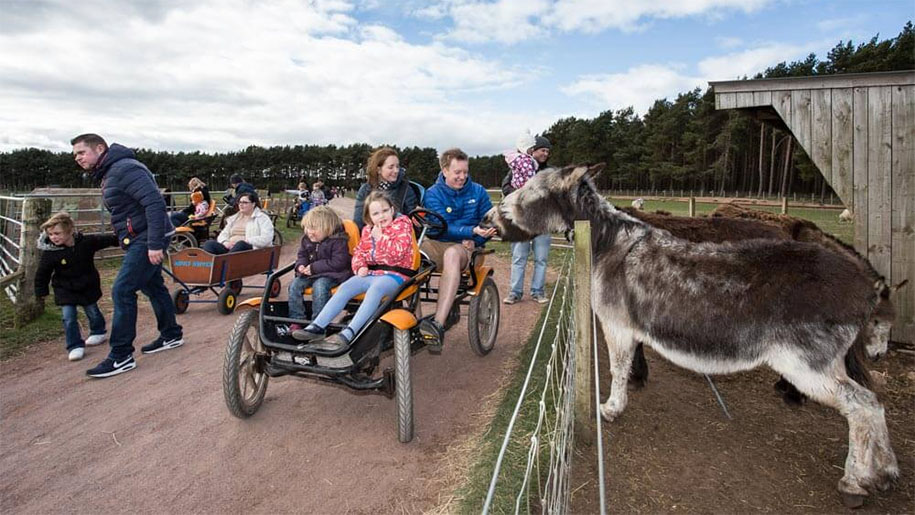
{"x":238,"y":370}
{"x":236,"y":286}
{"x":483,"y":318}
{"x":278,"y":238}
{"x":181,"y":299}
{"x":403,"y":385}
{"x":276,"y":288}
{"x":226,"y":302}
{"x":181,"y":241}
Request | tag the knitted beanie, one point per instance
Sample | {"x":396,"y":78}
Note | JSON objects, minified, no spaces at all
{"x":525,"y":141}
{"x":541,"y":142}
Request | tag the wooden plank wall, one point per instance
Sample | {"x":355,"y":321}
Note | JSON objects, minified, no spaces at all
{"x":862,"y":139}
{"x":902,"y":225}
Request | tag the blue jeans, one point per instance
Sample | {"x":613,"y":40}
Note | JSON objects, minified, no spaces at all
{"x":138,"y":274}
{"x":71,"y":325}
{"x":375,"y":288}
{"x":320,"y":293}
{"x":520,"y":251}
{"x":214,"y":247}
{"x":178,"y":218}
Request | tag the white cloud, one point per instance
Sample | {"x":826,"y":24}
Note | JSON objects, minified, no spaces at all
{"x":750,"y":62}
{"x":638,"y":87}
{"x":504,"y":21}
{"x":728,"y":42}
{"x":221,"y":76}
{"x":512,"y":21}
{"x":596,"y":15}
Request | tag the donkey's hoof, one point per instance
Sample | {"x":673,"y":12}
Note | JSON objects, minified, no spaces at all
{"x":853,"y":500}
{"x":608,"y":414}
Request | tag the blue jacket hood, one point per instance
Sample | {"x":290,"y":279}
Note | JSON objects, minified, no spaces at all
{"x":115,"y":153}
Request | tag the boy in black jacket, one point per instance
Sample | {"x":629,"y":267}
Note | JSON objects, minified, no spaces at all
{"x":67,"y":262}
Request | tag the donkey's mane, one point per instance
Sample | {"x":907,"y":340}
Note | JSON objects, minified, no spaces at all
{"x":609,"y":221}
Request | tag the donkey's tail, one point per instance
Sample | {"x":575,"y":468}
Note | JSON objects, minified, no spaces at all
{"x":855,"y":358}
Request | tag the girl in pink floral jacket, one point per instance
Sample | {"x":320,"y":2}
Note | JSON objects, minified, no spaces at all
{"x":382,"y":261}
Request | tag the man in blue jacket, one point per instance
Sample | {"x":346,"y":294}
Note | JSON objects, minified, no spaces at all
{"x":462,"y":203}
{"x":141,"y":223}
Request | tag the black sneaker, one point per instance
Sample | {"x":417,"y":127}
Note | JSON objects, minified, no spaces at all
{"x":160,"y":344}
{"x":432,"y":333}
{"x":112,"y":367}
{"x":309,"y":333}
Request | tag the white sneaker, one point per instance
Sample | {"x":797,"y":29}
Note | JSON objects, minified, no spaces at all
{"x":76,"y":354}
{"x":96,"y":339}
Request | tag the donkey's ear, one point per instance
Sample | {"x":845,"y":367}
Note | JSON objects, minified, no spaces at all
{"x":594,"y":170}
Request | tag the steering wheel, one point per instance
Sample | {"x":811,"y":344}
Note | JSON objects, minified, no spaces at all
{"x":432,"y":223}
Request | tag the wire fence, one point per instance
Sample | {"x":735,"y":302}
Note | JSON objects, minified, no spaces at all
{"x":547,"y":437}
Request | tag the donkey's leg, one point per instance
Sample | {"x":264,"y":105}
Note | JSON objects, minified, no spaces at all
{"x":620,"y":346}
{"x":639,"y":375}
{"x":871,"y":462}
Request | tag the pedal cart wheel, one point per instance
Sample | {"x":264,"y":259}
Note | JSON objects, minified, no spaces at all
{"x":404,"y":385}
{"x":483,"y":318}
{"x":226,"y":302}
{"x":181,"y":241}
{"x":244,"y":384}
{"x":181,"y":299}
{"x":278,"y":238}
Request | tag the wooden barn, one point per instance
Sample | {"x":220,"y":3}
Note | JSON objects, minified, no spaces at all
{"x":859,"y":130}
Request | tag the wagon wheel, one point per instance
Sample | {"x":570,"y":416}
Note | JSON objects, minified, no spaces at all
{"x":483,"y":318}
{"x":181,"y":241}
{"x":181,"y":299}
{"x":276,"y":288}
{"x":278,"y":238}
{"x":236,"y":286}
{"x":244,"y":384}
{"x":226,"y":302}
{"x":403,"y":383}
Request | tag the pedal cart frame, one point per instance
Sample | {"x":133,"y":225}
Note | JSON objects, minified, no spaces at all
{"x":197,"y":271}
{"x":261,"y":347}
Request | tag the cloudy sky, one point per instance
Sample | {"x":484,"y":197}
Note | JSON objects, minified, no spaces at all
{"x":217,"y":75}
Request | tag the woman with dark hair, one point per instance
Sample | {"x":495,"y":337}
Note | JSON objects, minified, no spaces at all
{"x":248,"y":229}
{"x":384,"y":173}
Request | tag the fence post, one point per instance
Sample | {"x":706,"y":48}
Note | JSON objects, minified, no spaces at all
{"x":785,"y":205}
{"x":692,"y":206}
{"x":34,"y":212}
{"x":584,"y":421}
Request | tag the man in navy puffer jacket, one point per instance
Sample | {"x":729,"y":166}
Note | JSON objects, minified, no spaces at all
{"x":139,"y":219}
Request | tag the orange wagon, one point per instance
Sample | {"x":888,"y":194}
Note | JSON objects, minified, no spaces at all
{"x":197,"y":271}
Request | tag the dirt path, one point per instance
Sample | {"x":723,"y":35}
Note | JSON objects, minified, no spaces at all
{"x":673,"y":450}
{"x":160,"y":438}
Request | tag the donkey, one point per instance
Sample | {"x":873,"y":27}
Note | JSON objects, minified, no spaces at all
{"x":731,"y":222}
{"x":719,"y":308}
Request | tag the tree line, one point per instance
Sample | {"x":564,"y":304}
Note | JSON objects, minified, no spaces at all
{"x":679,"y":144}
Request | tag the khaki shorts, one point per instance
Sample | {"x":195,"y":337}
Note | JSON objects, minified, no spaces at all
{"x":435,"y":250}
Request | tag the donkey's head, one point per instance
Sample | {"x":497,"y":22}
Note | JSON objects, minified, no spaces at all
{"x":551,"y":201}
